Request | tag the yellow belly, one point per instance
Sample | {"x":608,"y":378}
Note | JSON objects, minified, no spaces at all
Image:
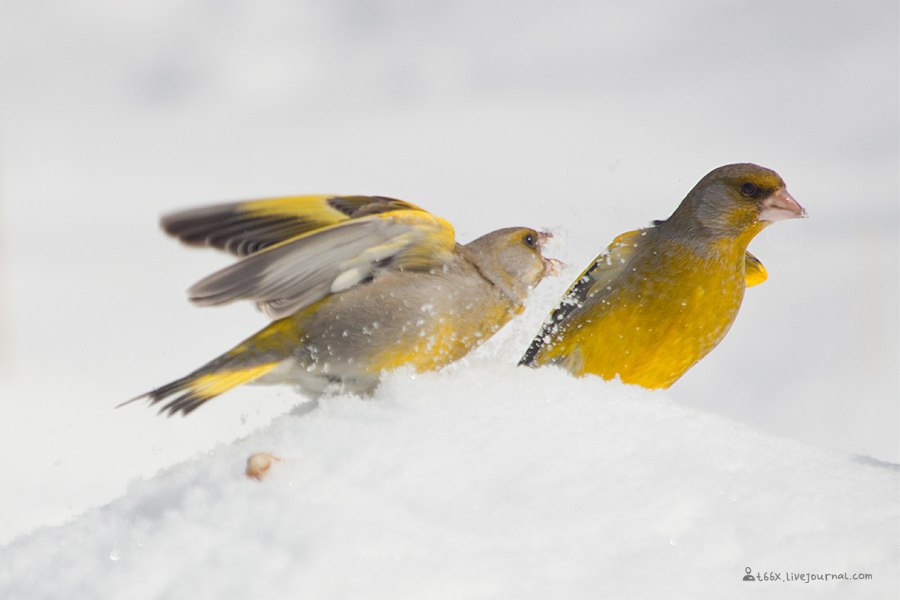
{"x":439,"y":341}
{"x":650,"y":332}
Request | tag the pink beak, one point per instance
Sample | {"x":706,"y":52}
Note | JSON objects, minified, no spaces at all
{"x":780,"y":206}
{"x":551,"y":265}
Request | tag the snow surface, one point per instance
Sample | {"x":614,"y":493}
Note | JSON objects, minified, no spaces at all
{"x":464,"y":485}
{"x":589,"y":118}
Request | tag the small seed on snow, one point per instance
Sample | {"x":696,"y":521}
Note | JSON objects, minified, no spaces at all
{"x":259,"y":464}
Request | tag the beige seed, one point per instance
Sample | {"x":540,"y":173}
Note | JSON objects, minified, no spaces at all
{"x":259,"y":464}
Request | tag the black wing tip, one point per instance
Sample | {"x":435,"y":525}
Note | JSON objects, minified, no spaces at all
{"x":176,"y":222}
{"x":226,"y":227}
{"x":549,"y":332}
{"x":528,"y":359}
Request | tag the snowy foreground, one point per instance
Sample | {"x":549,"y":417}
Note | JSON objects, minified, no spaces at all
{"x":463,"y":485}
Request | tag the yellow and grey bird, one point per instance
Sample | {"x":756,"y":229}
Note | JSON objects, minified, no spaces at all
{"x":659,"y":299}
{"x":355,"y":285}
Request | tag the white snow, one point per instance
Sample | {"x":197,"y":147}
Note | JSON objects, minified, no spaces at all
{"x":484,"y":482}
{"x":585,"y":118}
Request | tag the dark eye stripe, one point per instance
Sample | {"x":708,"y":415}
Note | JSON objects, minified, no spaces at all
{"x":749,"y":190}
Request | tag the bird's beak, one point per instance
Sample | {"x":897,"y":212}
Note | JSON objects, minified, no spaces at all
{"x":551,"y":265}
{"x":780,"y":206}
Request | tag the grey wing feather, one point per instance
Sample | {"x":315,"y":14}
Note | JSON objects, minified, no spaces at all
{"x":285,"y":278}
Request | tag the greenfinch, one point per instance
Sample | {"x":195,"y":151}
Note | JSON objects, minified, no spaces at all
{"x":659,"y":299}
{"x":355,"y":285}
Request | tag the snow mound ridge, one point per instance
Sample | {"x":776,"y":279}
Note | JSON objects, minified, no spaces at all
{"x":484,"y":483}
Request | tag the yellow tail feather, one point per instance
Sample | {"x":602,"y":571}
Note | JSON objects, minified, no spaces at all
{"x":199,"y":387}
{"x":211,"y":385}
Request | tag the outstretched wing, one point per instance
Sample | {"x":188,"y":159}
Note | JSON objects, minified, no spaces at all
{"x":243,"y":228}
{"x":292,"y":274}
{"x":592,"y":280}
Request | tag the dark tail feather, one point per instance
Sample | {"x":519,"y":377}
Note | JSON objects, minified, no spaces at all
{"x":202,"y":385}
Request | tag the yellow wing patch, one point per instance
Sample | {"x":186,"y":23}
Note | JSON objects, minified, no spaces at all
{"x":431,"y":237}
{"x":754,"y":271}
{"x":314,"y":209}
{"x":244,"y":228}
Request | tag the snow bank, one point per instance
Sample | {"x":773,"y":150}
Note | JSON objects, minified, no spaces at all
{"x":484,"y":482}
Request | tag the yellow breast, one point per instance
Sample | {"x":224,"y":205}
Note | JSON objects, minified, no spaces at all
{"x":657,"y":322}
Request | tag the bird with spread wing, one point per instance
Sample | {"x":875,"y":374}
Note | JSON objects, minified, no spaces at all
{"x":355,"y":285}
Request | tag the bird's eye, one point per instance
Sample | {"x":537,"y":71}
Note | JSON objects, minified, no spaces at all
{"x":530,"y":240}
{"x":749,"y":190}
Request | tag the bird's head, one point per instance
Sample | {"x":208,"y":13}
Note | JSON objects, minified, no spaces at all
{"x":737,"y":201}
{"x":511,"y":258}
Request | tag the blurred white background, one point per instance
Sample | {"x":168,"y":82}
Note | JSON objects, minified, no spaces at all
{"x":584,"y":117}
